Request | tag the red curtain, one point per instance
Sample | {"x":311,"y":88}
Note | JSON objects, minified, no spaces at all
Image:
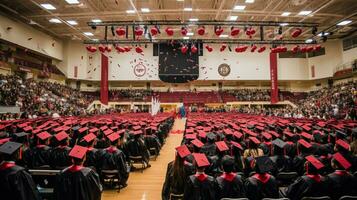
{"x":274,"y":97}
{"x":104,"y":81}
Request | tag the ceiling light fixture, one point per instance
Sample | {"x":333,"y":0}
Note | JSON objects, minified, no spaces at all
{"x":193,"y":19}
{"x":343,"y":23}
{"x":72,"y":22}
{"x":284,"y":24}
{"x":285,"y":14}
{"x":305,"y":12}
{"x":55,"y":21}
{"x":186,"y":38}
{"x":190,"y":34}
{"x":48,"y":6}
{"x":187,"y":9}
{"x":223,"y":36}
{"x":146,"y":10}
{"x":308,"y":41}
{"x":233,"y":18}
{"x":239,"y":7}
{"x":72,"y":1}
{"x":88,"y":33}
{"x":96,"y":20}
{"x":130,"y":11}
{"x":323,"y":34}
{"x":249,"y":1}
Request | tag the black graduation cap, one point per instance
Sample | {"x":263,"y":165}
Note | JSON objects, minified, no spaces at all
{"x":340,"y":134}
{"x":76,"y":128}
{"x":264,"y":164}
{"x":279,"y":143}
{"x":10,"y":148}
{"x":211,"y":136}
{"x":21,"y":134}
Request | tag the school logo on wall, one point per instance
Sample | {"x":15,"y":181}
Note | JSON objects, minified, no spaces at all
{"x":139,"y":70}
{"x":224,"y":69}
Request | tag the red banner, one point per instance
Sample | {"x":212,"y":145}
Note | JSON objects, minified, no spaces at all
{"x":75,"y":71}
{"x":274,"y":97}
{"x":104,"y":81}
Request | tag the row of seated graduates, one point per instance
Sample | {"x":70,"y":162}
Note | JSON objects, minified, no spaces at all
{"x":111,"y":141}
{"x":243,"y":134}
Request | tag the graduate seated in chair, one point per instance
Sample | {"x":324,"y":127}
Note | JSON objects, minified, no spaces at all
{"x":262,"y":184}
{"x":229,"y":184}
{"x":113,"y":158}
{"x":59,"y":156}
{"x":39,"y":156}
{"x":15,"y":182}
{"x":78,"y":182}
{"x":341,"y":182}
{"x":136,"y":148}
{"x":312,"y":184}
{"x":200,"y":185}
{"x":282,"y":162}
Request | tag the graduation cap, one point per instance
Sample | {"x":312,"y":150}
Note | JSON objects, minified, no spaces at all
{"x":237,"y":134}
{"x":113,"y":137}
{"x":190,"y":136}
{"x":108,"y":131}
{"x":266,"y":135}
{"x":103,"y":128}
{"x":61,"y":136}
{"x":81,"y":130}
{"x":304,"y":143}
{"x":4,"y":140}
{"x":43,"y":135}
{"x":228,"y":131}
{"x":340,"y":134}
{"x":306,"y":128}
{"x":343,"y":144}
{"x":202,"y":134}
{"x":89,"y":137}
{"x":288,"y":133}
{"x":27,"y":128}
{"x":197,"y":143}
{"x":10,"y":148}
{"x":274,"y":133}
{"x":189,"y":130}
{"x":78,"y":152}
{"x":93,"y":129}
{"x":136,"y":127}
{"x":21,"y":134}
{"x":138,"y":132}
{"x":76,"y":128}
{"x":201,"y":159}
{"x":183,"y":151}
{"x":222,"y":146}
{"x":264,"y":164}
{"x":236,"y":144}
{"x":211,"y":136}
{"x":254,"y":139}
{"x":314,"y":161}
{"x":279,"y":143}
{"x":306,"y":135}
{"x":342,"y":160}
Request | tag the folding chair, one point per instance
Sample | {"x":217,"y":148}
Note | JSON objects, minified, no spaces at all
{"x":348,"y":198}
{"x":317,"y":198}
{"x":137,"y":160}
{"x":110,"y":178}
{"x":286,"y":178}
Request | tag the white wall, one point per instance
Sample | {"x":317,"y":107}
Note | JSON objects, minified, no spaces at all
{"x":293,"y":69}
{"x":20,"y":34}
{"x":349,"y":55}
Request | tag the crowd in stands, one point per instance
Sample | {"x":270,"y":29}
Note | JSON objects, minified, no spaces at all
{"x":41,"y":98}
{"x":250,"y":94}
{"x":231,"y":155}
{"x":130,"y":94}
{"x":91,"y":152}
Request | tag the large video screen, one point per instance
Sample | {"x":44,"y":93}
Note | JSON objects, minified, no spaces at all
{"x":175,"y":66}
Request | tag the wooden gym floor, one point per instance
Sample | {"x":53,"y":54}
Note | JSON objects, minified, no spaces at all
{"x":148,"y":185}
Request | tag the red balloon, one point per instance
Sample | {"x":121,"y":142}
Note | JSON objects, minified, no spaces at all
{"x":169,"y":31}
{"x":223,"y":47}
{"x":138,"y":50}
{"x":261,"y":49}
{"x":234,"y":31}
{"x":120,"y":31}
{"x":154,"y":31}
{"x":317,"y":47}
{"x":139,"y":31}
{"x":184,"y":49}
{"x":209,"y":49}
{"x":219,"y":31}
{"x":93,"y":49}
{"x":120,"y":49}
{"x":253,"y":48}
{"x":295,"y":49}
{"x":101,"y":48}
{"x":127,"y":48}
{"x":201,"y":30}
{"x":183,"y":31}
{"x":310,"y":48}
{"x":88,"y":48}
{"x":193,"y":49}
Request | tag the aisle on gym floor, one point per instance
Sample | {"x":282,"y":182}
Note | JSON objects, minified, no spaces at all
{"x":148,"y":185}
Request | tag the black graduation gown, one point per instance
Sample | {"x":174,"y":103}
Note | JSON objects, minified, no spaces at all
{"x":170,"y":185}
{"x":209,"y":149}
{"x":78,"y":184}
{"x":298,"y":164}
{"x":151,"y":141}
{"x":229,"y":186}
{"x":306,"y":186}
{"x":258,"y":188}
{"x":114,"y":159}
{"x":200,"y":187}
{"x":281,"y":163}
{"x":92,"y":158}
{"x":39,"y":156}
{"x":17,"y":184}
{"x":59,"y":157}
{"x":341,"y":183}
{"x":136,"y":147}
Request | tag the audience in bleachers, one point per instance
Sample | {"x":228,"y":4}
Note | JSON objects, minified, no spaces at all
{"x":250,"y":94}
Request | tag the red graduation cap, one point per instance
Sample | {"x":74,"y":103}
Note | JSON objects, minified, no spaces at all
{"x":207,"y":129}
{"x":82,"y":129}
{"x":65,"y":128}
{"x":343,"y":144}
{"x":113,"y":137}
{"x":57,"y":129}
{"x":121,"y":131}
{"x":222,"y":146}
{"x":190,"y":136}
{"x":78,"y":152}
{"x":288,"y":133}
{"x":255,"y":140}
{"x":342,"y":160}
{"x":89,"y":137}
{"x":314,"y":161}
{"x":189,"y":130}
{"x":201,"y":159}
{"x":108,"y":131}
{"x":237,"y":134}
{"x":103,"y":128}
{"x":183,"y":151}
{"x":43,"y":135}
{"x":236,"y":144}
{"x":202,"y":134}
{"x":228,"y":131}
{"x":136,"y":127}
{"x":27,"y":128}
{"x":197,"y":143}
{"x":304,"y":143}
{"x":274,"y":133}
{"x":4,"y":140}
{"x":266,"y":135}
{"x":61,"y":136}
{"x":306,"y":135}
{"x":36,"y":131}
{"x":138,"y":132}
{"x":95,"y":129}
{"x":306,"y":127}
